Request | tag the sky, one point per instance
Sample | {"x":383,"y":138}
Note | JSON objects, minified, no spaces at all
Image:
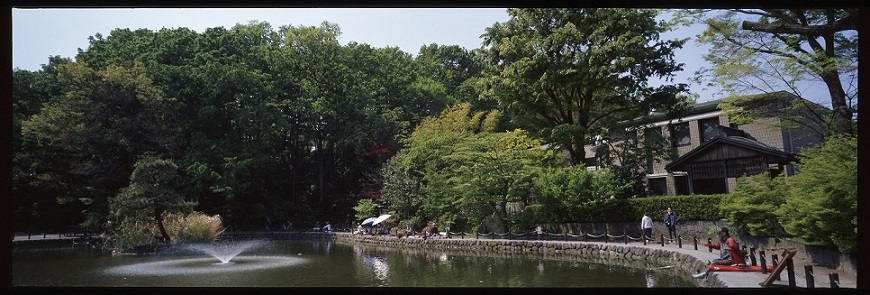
{"x":40,"y":33}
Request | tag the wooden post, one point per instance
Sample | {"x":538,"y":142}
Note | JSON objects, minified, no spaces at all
{"x":763,"y":262}
{"x":643,"y":237}
{"x":808,"y":271}
{"x":663,"y":240}
{"x":625,"y":236}
{"x":710,"y":245}
{"x":605,"y":234}
{"x":752,"y":256}
{"x":787,"y":256}
{"x":680,"y":241}
{"x":695,"y":241}
{"x":789,"y":264}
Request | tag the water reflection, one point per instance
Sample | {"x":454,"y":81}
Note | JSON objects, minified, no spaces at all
{"x":337,"y":264}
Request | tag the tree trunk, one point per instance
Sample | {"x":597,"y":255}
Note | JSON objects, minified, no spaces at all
{"x":158,"y":215}
{"x":842,"y":114}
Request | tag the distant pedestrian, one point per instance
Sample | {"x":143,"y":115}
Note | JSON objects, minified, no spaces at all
{"x":646,"y":225}
{"x":671,"y":223}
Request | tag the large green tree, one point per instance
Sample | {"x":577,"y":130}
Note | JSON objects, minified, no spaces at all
{"x":769,"y":50}
{"x":82,"y":145}
{"x":573,"y":71}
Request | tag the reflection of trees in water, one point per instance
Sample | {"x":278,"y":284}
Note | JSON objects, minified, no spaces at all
{"x":457,"y":268}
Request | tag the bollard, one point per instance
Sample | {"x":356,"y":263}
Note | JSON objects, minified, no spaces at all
{"x":752,"y":256}
{"x":643,"y":237}
{"x":477,"y":235}
{"x":605,"y":235}
{"x":835,"y":280}
{"x":28,"y":236}
{"x":763,"y":262}
{"x":710,"y":245}
{"x":566,"y":236}
{"x":680,"y":241}
{"x":462,"y":235}
{"x":663,"y":240}
{"x":789,"y":265}
{"x":808,"y":271}
{"x":695,"y":241}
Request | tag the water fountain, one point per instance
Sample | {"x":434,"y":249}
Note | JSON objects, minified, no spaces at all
{"x":228,"y":255}
{"x":226,"y":251}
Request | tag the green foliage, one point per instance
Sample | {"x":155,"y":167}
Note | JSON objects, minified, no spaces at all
{"x":471,"y":176}
{"x":133,"y":233}
{"x":822,"y":202}
{"x":401,"y":192}
{"x":195,"y":227}
{"x":691,"y":207}
{"x":751,"y":208}
{"x":571,"y":72}
{"x":573,"y":193}
{"x":365,"y":208}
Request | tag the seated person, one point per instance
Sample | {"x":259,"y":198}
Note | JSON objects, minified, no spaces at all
{"x":729,"y":249}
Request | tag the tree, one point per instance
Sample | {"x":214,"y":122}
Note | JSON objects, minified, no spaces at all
{"x":769,"y":50}
{"x":572,"y":72}
{"x":82,"y":146}
{"x":573,"y":194}
{"x":153,"y":190}
{"x":822,"y":202}
{"x":401,"y":192}
{"x":751,"y":208}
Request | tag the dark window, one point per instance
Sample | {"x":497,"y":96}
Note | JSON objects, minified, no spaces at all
{"x":653,"y":137}
{"x":680,"y":134}
{"x":658,"y":186}
{"x":709,"y":128}
{"x":681,"y":185}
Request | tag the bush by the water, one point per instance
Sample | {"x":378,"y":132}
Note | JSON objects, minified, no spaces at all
{"x":193,"y":227}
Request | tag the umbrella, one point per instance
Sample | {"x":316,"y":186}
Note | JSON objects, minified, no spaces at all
{"x":381,"y":219}
{"x":369,"y":220}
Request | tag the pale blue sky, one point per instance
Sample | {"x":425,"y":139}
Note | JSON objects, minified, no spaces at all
{"x":40,"y":33}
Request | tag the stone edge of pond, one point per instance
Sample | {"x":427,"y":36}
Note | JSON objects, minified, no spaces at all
{"x":553,"y":249}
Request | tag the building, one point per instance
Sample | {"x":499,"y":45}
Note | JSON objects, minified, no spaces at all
{"x":709,"y":152}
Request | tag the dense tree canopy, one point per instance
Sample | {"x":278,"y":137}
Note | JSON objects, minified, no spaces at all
{"x":571,"y":72}
{"x":261,"y":122}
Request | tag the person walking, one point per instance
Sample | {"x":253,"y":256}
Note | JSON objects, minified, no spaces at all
{"x":671,"y":224}
{"x":646,"y":225}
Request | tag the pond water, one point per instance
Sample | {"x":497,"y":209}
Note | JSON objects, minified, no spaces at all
{"x":326,"y":264}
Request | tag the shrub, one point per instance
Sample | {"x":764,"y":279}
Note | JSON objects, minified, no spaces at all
{"x":822,"y":203}
{"x":135,"y":233}
{"x":750,"y":208}
{"x":193,"y":227}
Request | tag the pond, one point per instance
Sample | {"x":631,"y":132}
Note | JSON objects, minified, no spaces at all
{"x":325,"y":263}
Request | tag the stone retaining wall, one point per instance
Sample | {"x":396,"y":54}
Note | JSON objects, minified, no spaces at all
{"x":619,"y":254}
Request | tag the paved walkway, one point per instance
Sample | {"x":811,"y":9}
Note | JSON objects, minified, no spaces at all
{"x":753,"y":279}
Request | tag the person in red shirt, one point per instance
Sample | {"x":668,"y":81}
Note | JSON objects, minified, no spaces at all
{"x":729,"y":249}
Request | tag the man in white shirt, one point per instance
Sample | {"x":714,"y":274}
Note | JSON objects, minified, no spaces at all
{"x":646,"y":225}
